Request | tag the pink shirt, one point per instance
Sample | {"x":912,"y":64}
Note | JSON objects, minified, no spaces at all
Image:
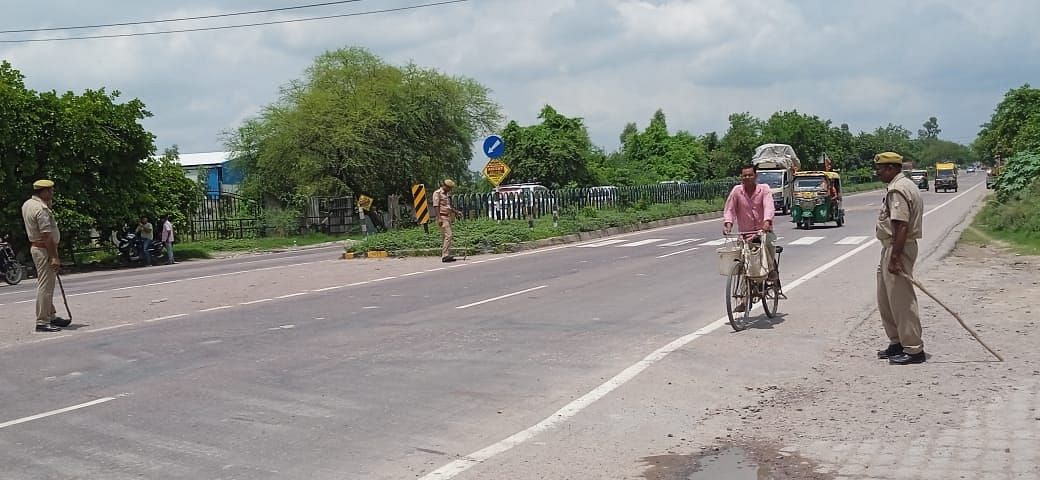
{"x":749,"y":212}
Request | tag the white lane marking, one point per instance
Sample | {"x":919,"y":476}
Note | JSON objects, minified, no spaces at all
{"x":168,"y":317}
{"x":680,"y":242}
{"x":642,"y":242}
{"x":203,"y":277}
{"x":421,"y":272}
{"x":677,"y":253}
{"x":59,"y":411}
{"x":373,"y":307}
{"x":262,"y":300}
{"x":851,"y":241}
{"x":223,"y":307}
{"x":806,"y":241}
{"x":113,"y":327}
{"x":602,"y":243}
{"x":297,"y":294}
{"x":435,"y":269}
{"x":451,"y":470}
{"x":713,"y":243}
{"x":500,"y":297}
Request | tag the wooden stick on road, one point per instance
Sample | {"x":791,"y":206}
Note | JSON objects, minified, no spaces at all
{"x":958,"y":317}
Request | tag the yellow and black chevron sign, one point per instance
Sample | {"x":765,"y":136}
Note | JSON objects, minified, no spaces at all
{"x":422,"y":211}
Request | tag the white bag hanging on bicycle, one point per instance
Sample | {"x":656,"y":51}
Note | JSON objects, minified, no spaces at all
{"x":757,"y":262}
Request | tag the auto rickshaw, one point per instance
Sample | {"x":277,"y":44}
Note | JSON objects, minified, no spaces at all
{"x":817,"y":199}
{"x":920,"y":177}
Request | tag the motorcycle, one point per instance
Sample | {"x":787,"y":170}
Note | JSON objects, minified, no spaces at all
{"x":12,"y":271}
{"x":129,"y":247}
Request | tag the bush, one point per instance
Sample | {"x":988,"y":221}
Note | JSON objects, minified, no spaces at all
{"x":285,"y":221}
{"x":1019,"y":172}
{"x":1019,"y":213}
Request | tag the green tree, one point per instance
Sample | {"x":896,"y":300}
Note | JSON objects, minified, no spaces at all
{"x":171,"y":193}
{"x":807,"y":134}
{"x":930,"y":131}
{"x":737,"y":145}
{"x":355,"y":124}
{"x":91,"y":144}
{"x":1013,"y":127}
{"x":556,"y":152}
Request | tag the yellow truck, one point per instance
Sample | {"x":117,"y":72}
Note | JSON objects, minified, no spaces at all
{"x":945,"y":177}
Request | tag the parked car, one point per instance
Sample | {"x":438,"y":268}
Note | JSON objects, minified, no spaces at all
{"x":513,"y":201}
{"x":604,"y":196}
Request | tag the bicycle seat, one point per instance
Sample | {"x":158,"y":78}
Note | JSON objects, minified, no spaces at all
{"x":779,"y":249}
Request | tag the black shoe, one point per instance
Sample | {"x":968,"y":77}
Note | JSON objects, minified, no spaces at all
{"x":60,"y":322}
{"x":892,"y":350}
{"x":47,"y":328}
{"x":448,"y":259}
{"x":907,"y":358}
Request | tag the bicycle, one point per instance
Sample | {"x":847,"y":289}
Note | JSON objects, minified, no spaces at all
{"x":745,"y":285}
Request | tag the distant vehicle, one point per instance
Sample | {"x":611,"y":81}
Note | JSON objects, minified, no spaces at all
{"x":513,"y":201}
{"x":776,"y":164}
{"x":604,"y":195}
{"x":971,"y":169}
{"x":945,"y":177}
{"x":920,"y":177}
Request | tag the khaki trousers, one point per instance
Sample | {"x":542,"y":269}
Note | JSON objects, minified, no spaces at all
{"x":446,"y":234}
{"x":45,"y":278}
{"x":897,"y":301}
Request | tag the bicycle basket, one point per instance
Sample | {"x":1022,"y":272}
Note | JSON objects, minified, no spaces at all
{"x":729,"y":256}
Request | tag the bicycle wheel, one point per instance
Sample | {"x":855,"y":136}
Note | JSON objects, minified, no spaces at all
{"x":771,"y":298}
{"x":737,"y":291}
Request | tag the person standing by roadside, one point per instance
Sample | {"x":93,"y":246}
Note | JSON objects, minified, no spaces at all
{"x":899,"y":227}
{"x":167,"y":239}
{"x":42,"y":230}
{"x":445,"y":215}
{"x":146,"y":234}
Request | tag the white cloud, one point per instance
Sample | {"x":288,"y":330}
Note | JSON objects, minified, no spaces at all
{"x":609,"y":61}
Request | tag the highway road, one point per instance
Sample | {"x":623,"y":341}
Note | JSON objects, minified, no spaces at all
{"x":575,"y":361}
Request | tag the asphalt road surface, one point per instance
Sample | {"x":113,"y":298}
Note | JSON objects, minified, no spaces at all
{"x":576,"y":361}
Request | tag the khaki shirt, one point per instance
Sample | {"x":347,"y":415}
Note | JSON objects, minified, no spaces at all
{"x":39,"y":219}
{"x":902,"y":202}
{"x":442,"y":204}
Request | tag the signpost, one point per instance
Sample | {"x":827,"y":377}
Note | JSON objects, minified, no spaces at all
{"x":422,"y":211}
{"x":494,"y":146}
{"x":496,"y":171}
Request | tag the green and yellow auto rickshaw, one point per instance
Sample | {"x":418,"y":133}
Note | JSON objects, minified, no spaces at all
{"x":817,"y":199}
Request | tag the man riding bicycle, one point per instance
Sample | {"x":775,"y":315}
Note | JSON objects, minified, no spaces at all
{"x":750,"y":205}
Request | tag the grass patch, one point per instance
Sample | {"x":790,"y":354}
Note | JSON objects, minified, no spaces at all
{"x":489,"y":235}
{"x":863,"y":187}
{"x":1015,"y":221}
{"x":206,"y":248}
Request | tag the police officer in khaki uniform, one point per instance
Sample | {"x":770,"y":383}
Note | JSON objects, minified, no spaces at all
{"x":42,"y":229}
{"x":445,"y":215}
{"x":898,"y":229}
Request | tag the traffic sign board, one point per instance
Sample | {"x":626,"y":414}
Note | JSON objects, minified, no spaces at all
{"x":494,"y":146}
{"x":365,"y":202}
{"x":496,"y":171}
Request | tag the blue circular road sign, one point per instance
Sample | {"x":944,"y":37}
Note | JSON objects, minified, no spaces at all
{"x":494,"y":146}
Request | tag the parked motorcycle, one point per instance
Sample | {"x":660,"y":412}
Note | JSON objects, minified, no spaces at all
{"x":12,"y":271}
{"x":129,"y":247}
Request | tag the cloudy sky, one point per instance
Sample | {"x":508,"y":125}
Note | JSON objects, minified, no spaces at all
{"x":609,"y":61}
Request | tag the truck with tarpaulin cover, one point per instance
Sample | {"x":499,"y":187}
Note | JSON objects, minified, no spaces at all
{"x":776,"y":164}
